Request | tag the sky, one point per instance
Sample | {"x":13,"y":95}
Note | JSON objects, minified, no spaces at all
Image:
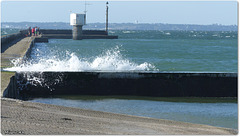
{"x":171,"y":12}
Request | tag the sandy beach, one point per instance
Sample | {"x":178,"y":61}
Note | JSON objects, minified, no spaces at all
{"x":28,"y":118}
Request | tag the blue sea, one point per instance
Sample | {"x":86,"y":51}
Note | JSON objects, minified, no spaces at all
{"x":187,"y":51}
{"x":170,"y":51}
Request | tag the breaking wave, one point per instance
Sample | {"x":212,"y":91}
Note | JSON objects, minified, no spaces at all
{"x":111,"y":60}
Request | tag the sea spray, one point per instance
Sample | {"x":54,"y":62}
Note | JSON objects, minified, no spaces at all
{"x":33,"y":70}
{"x":45,"y":80}
{"x":111,"y":60}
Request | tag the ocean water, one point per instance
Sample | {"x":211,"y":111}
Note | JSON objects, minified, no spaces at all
{"x":215,"y":114}
{"x":178,"y":51}
{"x":185,"y":51}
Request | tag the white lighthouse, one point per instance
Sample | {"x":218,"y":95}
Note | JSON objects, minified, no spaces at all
{"x":77,"y":21}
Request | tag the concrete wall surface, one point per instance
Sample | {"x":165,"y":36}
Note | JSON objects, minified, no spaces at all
{"x":11,"y":37}
{"x":85,"y":32}
{"x":56,"y":31}
{"x":128,"y":83}
{"x":95,"y":32}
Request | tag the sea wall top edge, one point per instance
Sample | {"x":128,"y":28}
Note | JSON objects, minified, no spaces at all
{"x":140,"y":73}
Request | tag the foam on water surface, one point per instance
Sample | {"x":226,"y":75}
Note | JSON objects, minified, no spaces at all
{"x":111,"y":60}
{"x":188,"y":51}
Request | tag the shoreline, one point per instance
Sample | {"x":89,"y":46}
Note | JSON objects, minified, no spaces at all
{"x":148,"y":98}
{"x":30,"y":118}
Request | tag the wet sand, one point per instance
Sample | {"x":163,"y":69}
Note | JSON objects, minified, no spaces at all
{"x":23,"y":117}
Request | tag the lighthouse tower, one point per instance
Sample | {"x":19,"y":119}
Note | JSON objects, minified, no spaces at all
{"x":77,"y":21}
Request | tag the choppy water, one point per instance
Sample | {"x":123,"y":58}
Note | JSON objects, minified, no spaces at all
{"x":191,"y":51}
{"x":215,"y":114}
{"x":188,"y":51}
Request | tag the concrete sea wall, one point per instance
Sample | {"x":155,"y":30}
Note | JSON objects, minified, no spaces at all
{"x":55,"y":31}
{"x":66,"y":31}
{"x":126,"y":83}
{"x":11,"y":37}
{"x":67,"y":34}
{"x":5,"y":40}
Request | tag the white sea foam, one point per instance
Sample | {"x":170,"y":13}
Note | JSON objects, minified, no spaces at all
{"x":168,"y":33}
{"x":111,"y":60}
{"x":128,"y":31}
{"x":111,"y":32}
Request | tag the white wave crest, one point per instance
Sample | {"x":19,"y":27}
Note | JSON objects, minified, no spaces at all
{"x":111,"y":60}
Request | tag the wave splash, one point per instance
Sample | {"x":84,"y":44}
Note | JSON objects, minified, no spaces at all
{"x":111,"y":60}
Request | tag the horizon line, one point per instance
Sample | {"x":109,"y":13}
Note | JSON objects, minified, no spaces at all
{"x":129,"y":23}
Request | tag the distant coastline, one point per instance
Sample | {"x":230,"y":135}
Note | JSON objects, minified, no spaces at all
{"x":123,"y":26}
